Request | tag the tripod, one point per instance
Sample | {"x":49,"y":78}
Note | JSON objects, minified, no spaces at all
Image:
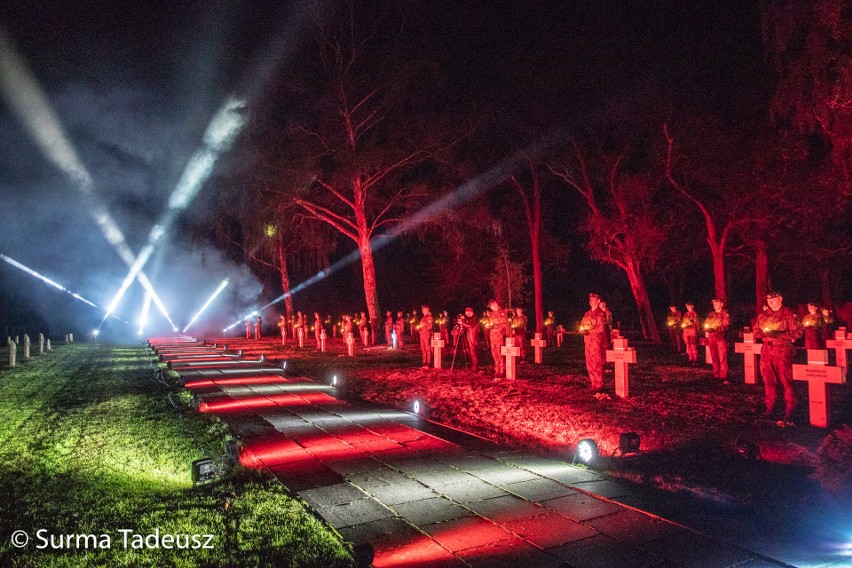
{"x":459,"y":332}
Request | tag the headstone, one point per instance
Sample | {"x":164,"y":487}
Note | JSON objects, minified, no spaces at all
{"x":71,"y":337}
{"x":560,"y":336}
{"x":818,"y":374}
{"x":510,"y":351}
{"x":840,"y":344}
{"x":350,"y":344}
{"x":538,"y":344}
{"x":622,"y":355}
{"x":437,"y":345}
{"x":49,"y":348}
{"x":394,"y":340}
{"x":750,"y":351}
{"x":13,"y":352}
{"x":67,"y":341}
{"x":26,"y":346}
{"x":17,"y":340}
{"x":301,"y":334}
{"x":40,"y":343}
{"x":322,"y":341}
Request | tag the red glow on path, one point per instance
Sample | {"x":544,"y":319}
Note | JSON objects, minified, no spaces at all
{"x":267,"y":379}
{"x":422,"y":551}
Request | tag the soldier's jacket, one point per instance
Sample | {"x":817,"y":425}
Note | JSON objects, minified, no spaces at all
{"x":347,"y":327}
{"x":690,"y":320}
{"x":593,"y":322}
{"x":548,"y":322}
{"x":778,"y":329}
{"x":498,"y":322}
{"x":519,"y":323}
{"x":399,"y":326}
{"x":388,"y":323}
{"x":426,"y":324}
{"x":813,"y":320}
{"x":441,"y":321}
{"x":674,"y":319}
{"x":471,"y":326}
{"x":717,"y":323}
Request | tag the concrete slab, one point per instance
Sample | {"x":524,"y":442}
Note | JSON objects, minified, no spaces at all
{"x":393,"y":532}
{"x":471,"y":490}
{"x":354,"y":513}
{"x":581,"y":507}
{"x":351,"y":466}
{"x":421,"y":552}
{"x":505,"y":475}
{"x":430,"y":511}
{"x":607,"y":488}
{"x":549,"y":530}
{"x":506,"y":508}
{"x":512,"y":553}
{"x":328,"y":495}
{"x":538,"y":490}
{"x":466,"y":532}
{"x":604,"y":552}
{"x":696,"y":551}
{"x":633,"y":527}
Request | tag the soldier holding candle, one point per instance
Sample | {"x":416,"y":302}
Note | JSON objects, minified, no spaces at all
{"x":716,"y":325}
{"x":425,"y":327}
{"x":497,"y":328}
{"x":675,"y":332}
{"x":689,"y":325}
{"x":779,"y":328}
{"x":813,"y":323}
{"x":593,"y":330}
{"x":399,"y":326}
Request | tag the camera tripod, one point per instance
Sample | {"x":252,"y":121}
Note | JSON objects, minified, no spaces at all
{"x":459,"y":332}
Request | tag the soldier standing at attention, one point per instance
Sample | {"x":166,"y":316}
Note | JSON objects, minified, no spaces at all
{"x":443,"y":321}
{"x":593,"y":330}
{"x":689,"y":325}
{"x":399,"y":326}
{"x":471,"y":334}
{"x":282,"y":324}
{"x":778,"y":328}
{"x":608,"y":324}
{"x":549,"y":325}
{"x":675,"y":332}
{"x":813,"y":324}
{"x":257,"y":325}
{"x":363,"y":330}
{"x":388,"y":329}
{"x":716,"y":325}
{"x":425,"y":328}
{"x":318,"y":329}
{"x":519,"y":332}
{"x":248,"y":328}
{"x":498,"y":328}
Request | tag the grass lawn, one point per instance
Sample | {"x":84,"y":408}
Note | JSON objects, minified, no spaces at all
{"x":90,"y":445}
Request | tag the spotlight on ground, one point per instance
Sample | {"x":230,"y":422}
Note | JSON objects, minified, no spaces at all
{"x":419,"y":408}
{"x":747,"y":449}
{"x":587,"y":451}
{"x":335,"y":381}
{"x":628,"y":443}
{"x":204,"y":470}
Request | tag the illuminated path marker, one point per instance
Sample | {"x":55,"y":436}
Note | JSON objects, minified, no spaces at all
{"x":421,"y":494}
{"x":818,"y":375}
{"x":750,"y":350}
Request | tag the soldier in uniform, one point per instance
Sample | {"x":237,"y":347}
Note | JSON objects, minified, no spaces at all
{"x":425,"y":328}
{"x":689,"y":325}
{"x":813,"y":323}
{"x":318,"y":329}
{"x":486,"y":327}
{"x":498,"y":328}
{"x":519,"y":332}
{"x":549,"y":329}
{"x":593,"y":330}
{"x":399,"y":326}
{"x":248,"y":328}
{"x":363,"y":329}
{"x":257,"y":325}
{"x":282,"y":325}
{"x":778,"y":328}
{"x":470,"y":325}
{"x":388,"y":329}
{"x":716,"y":324}
{"x":608,"y":324}
{"x":675,"y":332}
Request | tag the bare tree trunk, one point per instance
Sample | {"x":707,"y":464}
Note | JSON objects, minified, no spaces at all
{"x":761,"y":275}
{"x":285,"y":278}
{"x":368,"y":268}
{"x":537,"y":283}
{"x":643,"y":303}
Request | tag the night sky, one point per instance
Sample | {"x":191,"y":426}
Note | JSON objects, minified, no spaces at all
{"x":135,"y":86}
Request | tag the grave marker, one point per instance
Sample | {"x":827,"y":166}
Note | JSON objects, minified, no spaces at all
{"x":560,"y":336}
{"x":818,"y":373}
{"x":13,"y":351}
{"x":538,"y":344}
{"x":510,"y":351}
{"x":40,"y":343}
{"x":26,"y":346}
{"x":301,"y":334}
{"x":622,"y":356}
{"x":49,"y":348}
{"x":350,"y":344}
{"x":750,"y":351}
{"x":840,"y":344}
{"x":322,"y":341}
{"x":437,"y":345}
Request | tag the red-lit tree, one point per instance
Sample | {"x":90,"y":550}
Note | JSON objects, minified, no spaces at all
{"x":622,"y":227}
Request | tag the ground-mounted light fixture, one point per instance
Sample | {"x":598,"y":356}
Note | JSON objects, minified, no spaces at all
{"x":335,"y":382}
{"x":419,"y":408}
{"x":628,"y":443}
{"x":747,"y":449}
{"x":204,"y":470}
{"x":587,"y":451}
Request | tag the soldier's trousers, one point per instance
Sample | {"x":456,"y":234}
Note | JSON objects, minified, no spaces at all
{"x":719,"y":355}
{"x":813,"y":338}
{"x":471,"y":348}
{"x":595,"y":357}
{"x":520,"y":341}
{"x":677,"y":340}
{"x":426,"y":348}
{"x":776,"y":368}
{"x":690,"y":337}
{"x":496,"y":342}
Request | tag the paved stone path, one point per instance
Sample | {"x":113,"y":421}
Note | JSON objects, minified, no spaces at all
{"x":426,"y":495}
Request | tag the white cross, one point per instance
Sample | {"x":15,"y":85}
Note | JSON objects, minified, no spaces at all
{"x":750,"y":350}
{"x":840,"y":344}
{"x":437,"y":344}
{"x":538,"y":343}
{"x":560,"y":336}
{"x":818,"y":374}
{"x":705,"y":341}
{"x":322,"y":341}
{"x":301,"y":334}
{"x":350,"y":344}
{"x":510,"y":351}
{"x":622,"y":355}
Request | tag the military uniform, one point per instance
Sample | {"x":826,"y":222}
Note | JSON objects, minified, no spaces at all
{"x":519,"y":332}
{"x":813,"y":324}
{"x":498,"y":328}
{"x":389,"y":329}
{"x":689,"y":325}
{"x":778,"y":329}
{"x":442,"y":321}
{"x":593,"y":329}
{"x":282,"y":325}
{"x":248,"y":329}
{"x":716,"y":324}
{"x":471,"y":335}
{"x":425,"y":328}
{"x":399,"y":326}
{"x":257,"y":326}
{"x":318,"y":330}
{"x":675,"y":332}
{"x":549,"y":329}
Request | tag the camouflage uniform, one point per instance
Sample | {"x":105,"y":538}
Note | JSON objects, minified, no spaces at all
{"x":318,"y":330}
{"x":549,"y":325}
{"x":689,"y":325}
{"x":257,"y":325}
{"x":716,"y":324}
{"x":593,"y":329}
{"x":282,"y":324}
{"x":519,"y":332}
{"x":498,"y":328}
{"x":399,"y":326}
{"x":388,"y":329}
{"x":675,"y":332}
{"x":813,"y":325}
{"x":442,"y":321}
{"x":425,"y":327}
{"x":471,"y":335}
{"x":778,"y":329}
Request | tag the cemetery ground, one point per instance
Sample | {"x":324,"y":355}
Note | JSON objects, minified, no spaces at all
{"x":90,"y":444}
{"x":690,"y":425}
